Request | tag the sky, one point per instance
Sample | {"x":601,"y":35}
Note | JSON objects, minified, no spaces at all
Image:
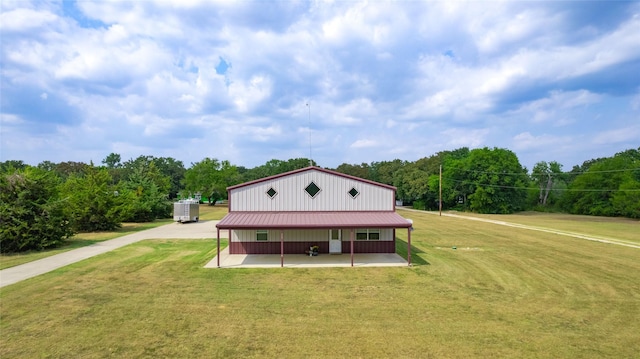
{"x":337,"y":81}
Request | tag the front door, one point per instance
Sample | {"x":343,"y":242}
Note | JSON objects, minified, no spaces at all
{"x":335,"y":241}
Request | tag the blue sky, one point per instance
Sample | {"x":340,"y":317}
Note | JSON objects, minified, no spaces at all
{"x":189,"y":79}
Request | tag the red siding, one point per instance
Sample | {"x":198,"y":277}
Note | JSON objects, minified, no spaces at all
{"x":301,"y":247}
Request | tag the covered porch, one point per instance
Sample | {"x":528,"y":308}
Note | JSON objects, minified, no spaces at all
{"x":227,"y":260}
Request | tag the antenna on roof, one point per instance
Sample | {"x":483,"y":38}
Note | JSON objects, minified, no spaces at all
{"x":310,"y":160}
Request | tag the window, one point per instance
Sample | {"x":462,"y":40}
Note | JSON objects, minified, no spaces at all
{"x":262,"y":235}
{"x":272,"y":192}
{"x":354,"y":192}
{"x":368,"y":234}
{"x":312,"y":189}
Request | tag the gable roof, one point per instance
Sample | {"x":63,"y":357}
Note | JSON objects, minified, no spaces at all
{"x":311,"y":168}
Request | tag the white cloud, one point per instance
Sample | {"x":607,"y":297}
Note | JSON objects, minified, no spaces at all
{"x":365,"y":143}
{"x":629,"y":134}
{"x":525,"y":141}
{"x":463,"y":137}
{"x":24,"y":19}
{"x":555,"y":106}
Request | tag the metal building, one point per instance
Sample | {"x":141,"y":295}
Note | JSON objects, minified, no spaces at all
{"x":312,"y":207}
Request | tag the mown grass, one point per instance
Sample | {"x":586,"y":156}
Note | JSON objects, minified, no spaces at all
{"x":504,"y":292}
{"x":618,"y":228}
{"x":85,"y":239}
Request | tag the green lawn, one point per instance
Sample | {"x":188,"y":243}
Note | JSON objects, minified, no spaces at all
{"x":504,"y":292}
{"x":618,"y":228}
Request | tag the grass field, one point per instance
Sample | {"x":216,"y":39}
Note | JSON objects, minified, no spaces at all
{"x":504,"y":292}
{"x":619,"y":228}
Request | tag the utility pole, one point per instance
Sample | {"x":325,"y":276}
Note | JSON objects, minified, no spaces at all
{"x":440,"y":183}
{"x":310,"y":160}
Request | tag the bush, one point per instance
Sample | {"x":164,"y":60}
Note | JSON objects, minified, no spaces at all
{"x":31,"y":212}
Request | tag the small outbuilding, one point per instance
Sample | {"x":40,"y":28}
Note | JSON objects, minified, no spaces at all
{"x":293,"y":212}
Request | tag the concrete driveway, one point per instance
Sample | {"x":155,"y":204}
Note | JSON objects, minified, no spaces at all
{"x":194,"y":230}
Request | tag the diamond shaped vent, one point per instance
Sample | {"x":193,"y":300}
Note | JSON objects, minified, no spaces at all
{"x":354,"y":192}
{"x":312,"y":189}
{"x":272,"y":192}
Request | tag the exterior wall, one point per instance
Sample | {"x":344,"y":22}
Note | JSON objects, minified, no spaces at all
{"x":291,"y":195}
{"x":299,"y":241}
{"x":301,"y":247}
{"x":302,"y":235}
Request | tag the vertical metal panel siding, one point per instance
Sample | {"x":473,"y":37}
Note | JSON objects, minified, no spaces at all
{"x":291,"y":195}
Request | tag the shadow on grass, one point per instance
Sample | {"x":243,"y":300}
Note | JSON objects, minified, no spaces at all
{"x":401,"y":249}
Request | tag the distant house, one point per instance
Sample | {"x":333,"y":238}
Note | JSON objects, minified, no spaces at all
{"x":290,"y":212}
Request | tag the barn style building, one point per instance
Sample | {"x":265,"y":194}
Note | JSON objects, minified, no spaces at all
{"x":312,"y":207}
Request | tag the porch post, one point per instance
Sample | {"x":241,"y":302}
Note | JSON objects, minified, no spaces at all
{"x":281,"y":248}
{"x":409,"y":246}
{"x":218,"y":236}
{"x":351,"y":239}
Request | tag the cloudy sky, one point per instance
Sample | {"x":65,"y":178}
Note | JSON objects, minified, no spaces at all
{"x":191,"y":79}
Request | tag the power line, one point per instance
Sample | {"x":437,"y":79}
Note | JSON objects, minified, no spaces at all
{"x":551,"y":173}
{"x":553,"y":189}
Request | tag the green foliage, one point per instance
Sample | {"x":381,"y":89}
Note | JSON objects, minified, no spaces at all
{"x":360,"y":171}
{"x":384,"y":171}
{"x":548,"y":177}
{"x":140,"y":196}
{"x":486,"y":181}
{"x":608,"y":187}
{"x":31,"y":212}
{"x":112,"y":160}
{"x":92,"y":201}
{"x":273,"y":167}
{"x":210,"y":178}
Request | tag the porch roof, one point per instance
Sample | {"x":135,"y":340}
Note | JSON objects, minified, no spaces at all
{"x":310,"y":220}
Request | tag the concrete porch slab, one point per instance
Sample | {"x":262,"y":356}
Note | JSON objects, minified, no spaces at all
{"x":304,"y":261}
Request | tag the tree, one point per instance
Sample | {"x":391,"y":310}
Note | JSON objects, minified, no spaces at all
{"x":31,"y":211}
{"x":360,"y":171}
{"x":140,"y":196}
{"x":211,"y":177}
{"x":12,"y":165}
{"x":174,"y":170}
{"x":112,"y":160}
{"x":384,"y":171}
{"x":412,"y":185}
{"x":70,"y":168}
{"x":546,"y":176}
{"x":607,"y":187}
{"x":92,"y":200}
{"x":491,"y":180}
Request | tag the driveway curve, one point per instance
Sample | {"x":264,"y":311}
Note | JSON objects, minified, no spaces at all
{"x":193,"y":230}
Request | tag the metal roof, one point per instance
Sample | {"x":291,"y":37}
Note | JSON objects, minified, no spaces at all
{"x":300,"y":220}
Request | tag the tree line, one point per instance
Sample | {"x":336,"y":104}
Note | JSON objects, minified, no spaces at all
{"x":41,"y":206}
